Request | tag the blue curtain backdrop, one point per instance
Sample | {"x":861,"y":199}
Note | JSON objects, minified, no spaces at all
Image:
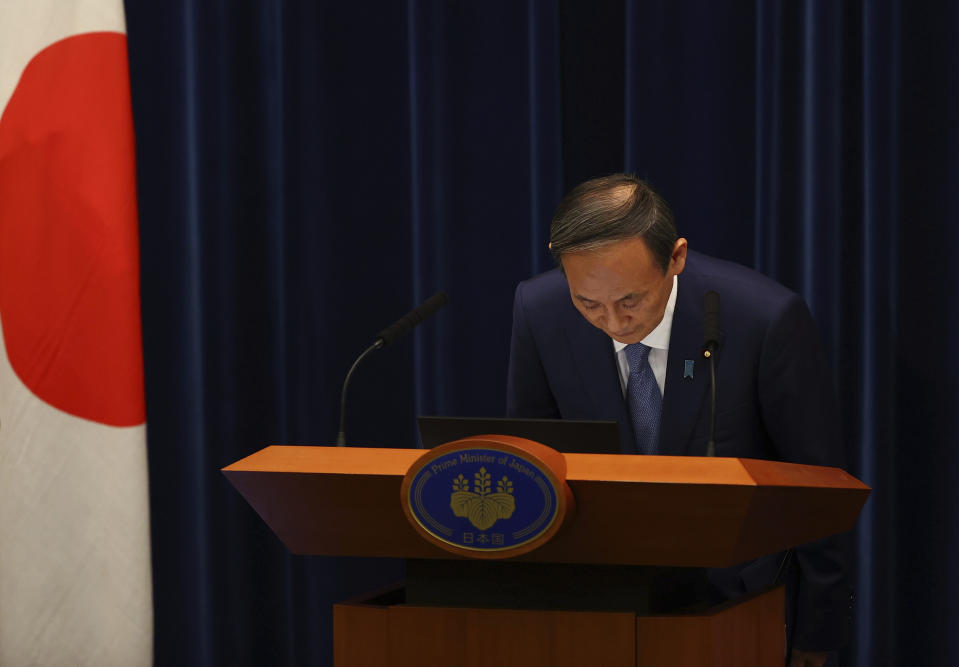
{"x":310,"y":171}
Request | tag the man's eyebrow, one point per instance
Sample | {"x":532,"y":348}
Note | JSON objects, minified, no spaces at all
{"x":631,"y":295}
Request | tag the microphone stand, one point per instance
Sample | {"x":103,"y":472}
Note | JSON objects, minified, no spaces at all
{"x":711,"y":443}
{"x":711,"y":344}
{"x":341,"y":436}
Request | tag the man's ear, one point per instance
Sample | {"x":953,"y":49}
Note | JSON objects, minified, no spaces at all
{"x":677,"y":260}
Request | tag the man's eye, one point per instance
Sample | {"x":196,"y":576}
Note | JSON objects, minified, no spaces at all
{"x":590,"y":305}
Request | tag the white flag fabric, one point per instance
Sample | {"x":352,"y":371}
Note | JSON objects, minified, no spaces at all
{"x":75,"y":577}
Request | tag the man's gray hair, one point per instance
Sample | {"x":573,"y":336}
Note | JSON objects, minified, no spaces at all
{"x":609,"y":209}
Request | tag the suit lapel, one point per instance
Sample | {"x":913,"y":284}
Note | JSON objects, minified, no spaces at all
{"x":684,"y":397}
{"x":596,"y":363}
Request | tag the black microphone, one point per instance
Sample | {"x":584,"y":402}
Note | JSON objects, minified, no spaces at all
{"x":710,"y":346}
{"x":396,"y":330}
{"x":411,"y":320}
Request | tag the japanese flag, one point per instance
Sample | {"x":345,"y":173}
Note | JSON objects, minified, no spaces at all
{"x":75,"y":584}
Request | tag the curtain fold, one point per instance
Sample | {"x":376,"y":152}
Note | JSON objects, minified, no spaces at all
{"x":877,"y":266}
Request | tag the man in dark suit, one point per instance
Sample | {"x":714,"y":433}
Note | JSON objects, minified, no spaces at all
{"x":617,"y":333}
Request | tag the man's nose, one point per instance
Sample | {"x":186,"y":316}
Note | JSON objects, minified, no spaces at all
{"x":614,"y":320}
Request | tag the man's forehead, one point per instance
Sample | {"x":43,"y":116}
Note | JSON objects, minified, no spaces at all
{"x":621,"y":256}
{"x":612,"y":273}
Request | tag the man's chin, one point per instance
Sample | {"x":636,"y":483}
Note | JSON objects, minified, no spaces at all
{"x":628,"y":339}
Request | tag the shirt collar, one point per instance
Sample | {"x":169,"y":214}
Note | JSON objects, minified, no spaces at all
{"x":659,"y":337}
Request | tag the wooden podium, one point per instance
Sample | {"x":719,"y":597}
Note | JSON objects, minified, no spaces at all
{"x":633,"y":514}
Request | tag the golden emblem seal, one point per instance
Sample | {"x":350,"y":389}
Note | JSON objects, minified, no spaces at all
{"x":481,"y":507}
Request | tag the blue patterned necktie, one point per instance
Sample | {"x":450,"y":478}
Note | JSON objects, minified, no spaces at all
{"x":644,"y":399}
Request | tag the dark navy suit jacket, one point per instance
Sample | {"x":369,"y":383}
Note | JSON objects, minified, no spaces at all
{"x":775,"y":401}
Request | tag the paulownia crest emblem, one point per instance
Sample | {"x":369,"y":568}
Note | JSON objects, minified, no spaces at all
{"x":480,"y":506}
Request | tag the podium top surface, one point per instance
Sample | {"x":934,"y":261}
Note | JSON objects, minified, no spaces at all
{"x":641,"y":510}
{"x":580,"y":467}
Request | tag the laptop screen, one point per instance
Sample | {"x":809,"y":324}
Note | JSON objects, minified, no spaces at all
{"x":564,"y":435}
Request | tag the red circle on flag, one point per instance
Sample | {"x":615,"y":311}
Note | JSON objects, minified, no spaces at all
{"x":69,"y":263}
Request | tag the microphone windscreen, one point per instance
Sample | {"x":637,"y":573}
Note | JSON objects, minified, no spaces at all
{"x":413,"y":318}
{"x":711,"y":319}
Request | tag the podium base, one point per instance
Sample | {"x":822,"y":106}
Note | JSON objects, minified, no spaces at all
{"x":489,"y":584}
{"x":385,"y":630}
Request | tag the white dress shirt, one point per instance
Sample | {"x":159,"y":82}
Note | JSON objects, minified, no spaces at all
{"x":657,"y":341}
